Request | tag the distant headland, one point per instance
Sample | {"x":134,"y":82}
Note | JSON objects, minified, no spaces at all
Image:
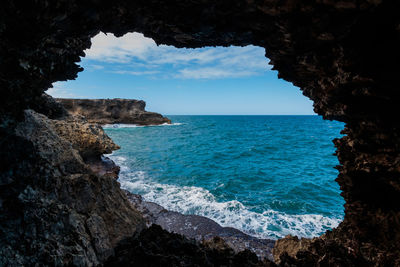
{"x":111,"y":111}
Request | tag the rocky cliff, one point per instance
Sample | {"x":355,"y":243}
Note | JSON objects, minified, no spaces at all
{"x":110,"y":111}
{"x":343,"y":55}
{"x":55,"y":208}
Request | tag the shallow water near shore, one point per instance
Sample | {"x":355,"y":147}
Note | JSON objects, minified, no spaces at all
{"x":268,"y":176}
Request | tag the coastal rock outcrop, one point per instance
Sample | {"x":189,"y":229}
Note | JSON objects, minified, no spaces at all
{"x":54,"y":208}
{"x":110,"y":111}
{"x":87,"y":138}
{"x":343,"y":55}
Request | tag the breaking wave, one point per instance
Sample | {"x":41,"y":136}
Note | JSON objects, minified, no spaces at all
{"x":196,"y":200}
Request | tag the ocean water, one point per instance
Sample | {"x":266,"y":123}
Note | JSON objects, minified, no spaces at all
{"x":268,"y":176}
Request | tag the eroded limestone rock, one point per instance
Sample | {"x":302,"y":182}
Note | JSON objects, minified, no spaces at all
{"x":110,"y":111}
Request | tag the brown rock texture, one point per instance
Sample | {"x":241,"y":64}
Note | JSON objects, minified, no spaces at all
{"x":110,"y":111}
{"x":290,"y":246}
{"x":342,"y":54}
{"x":88,"y":138}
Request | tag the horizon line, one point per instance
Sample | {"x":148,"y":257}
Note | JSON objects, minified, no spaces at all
{"x":241,"y":115}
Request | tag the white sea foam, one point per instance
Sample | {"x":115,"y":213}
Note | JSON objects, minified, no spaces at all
{"x":199,"y":201}
{"x":122,"y":125}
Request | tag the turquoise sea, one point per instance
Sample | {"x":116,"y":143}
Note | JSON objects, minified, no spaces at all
{"x":268,"y":176}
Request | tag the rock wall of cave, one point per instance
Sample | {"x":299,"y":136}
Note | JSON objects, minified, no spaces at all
{"x":342,"y":54}
{"x":55,"y":209}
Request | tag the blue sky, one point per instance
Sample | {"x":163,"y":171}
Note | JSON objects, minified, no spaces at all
{"x":210,"y":80}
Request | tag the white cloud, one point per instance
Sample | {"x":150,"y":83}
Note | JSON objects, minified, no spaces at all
{"x":172,"y":55}
{"x":135,"y":72}
{"x":211,"y":73}
{"x":108,"y":48}
{"x":93,"y":67}
{"x":60,"y":91}
{"x":138,"y":55}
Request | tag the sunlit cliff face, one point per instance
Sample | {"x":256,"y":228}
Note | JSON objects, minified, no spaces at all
{"x":343,"y":55}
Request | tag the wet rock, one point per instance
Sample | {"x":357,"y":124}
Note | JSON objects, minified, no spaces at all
{"x":103,"y":166}
{"x":200,"y":228}
{"x":110,"y":111}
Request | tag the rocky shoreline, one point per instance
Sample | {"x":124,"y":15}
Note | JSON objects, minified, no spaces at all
{"x":74,"y":211}
{"x":112,"y":111}
{"x":80,"y":202}
{"x":199,"y":228}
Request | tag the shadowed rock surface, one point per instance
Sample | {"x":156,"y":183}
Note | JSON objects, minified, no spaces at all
{"x":157,"y":247}
{"x":54,"y":209}
{"x":110,"y":111}
{"x":200,"y":228}
{"x":343,"y":55}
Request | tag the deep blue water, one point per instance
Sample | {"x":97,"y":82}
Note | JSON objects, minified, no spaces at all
{"x":266,"y":175}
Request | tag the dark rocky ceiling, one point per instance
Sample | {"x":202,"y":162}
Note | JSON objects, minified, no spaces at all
{"x":344,"y":55}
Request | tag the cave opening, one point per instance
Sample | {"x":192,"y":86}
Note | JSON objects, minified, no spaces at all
{"x":272,"y":177}
{"x":55,"y":211}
